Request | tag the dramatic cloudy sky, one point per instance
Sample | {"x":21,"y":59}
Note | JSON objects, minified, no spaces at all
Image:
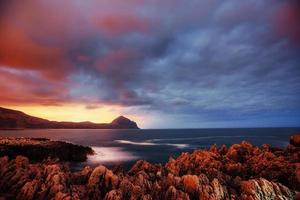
{"x":170,"y":63}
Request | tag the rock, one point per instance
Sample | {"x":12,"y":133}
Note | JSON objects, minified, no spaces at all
{"x":295,"y":140}
{"x":223,"y":150}
{"x":240,"y":152}
{"x":21,"y":162}
{"x":82,"y":176}
{"x":95,"y":182}
{"x":297,"y":176}
{"x":211,"y":190}
{"x":190,"y":183}
{"x":3,"y":166}
{"x":146,"y":197}
{"x":262,"y":189}
{"x":27,"y":181}
{"x":39,"y":149}
{"x":271,"y":167}
{"x":241,"y":171}
{"x":113,"y":195}
{"x":174,"y":194}
{"x":56,"y":180}
{"x":14,"y":174}
{"x":63,"y":196}
{"x":140,"y":165}
{"x":101,"y":181}
{"x":219,"y":191}
{"x":195,"y":163}
{"x":142,"y":180}
{"x":203,"y":180}
{"x":127,"y":188}
{"x":29,"y":190}
{"x":234,"y":169}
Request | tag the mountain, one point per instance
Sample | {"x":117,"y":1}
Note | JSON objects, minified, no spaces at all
{"x":124,"y":122}
{"x":13,"y":119}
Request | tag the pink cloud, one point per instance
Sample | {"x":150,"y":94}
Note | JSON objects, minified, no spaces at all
{"x":28,"y":87}
{"x":119,"y":24}
{"x":18,"y":50}
{"x":287,"y":21}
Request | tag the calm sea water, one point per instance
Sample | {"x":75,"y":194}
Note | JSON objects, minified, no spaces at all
{"x":114,"y":147}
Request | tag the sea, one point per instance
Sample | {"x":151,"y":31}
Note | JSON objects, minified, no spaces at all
{"x":125,"y":147}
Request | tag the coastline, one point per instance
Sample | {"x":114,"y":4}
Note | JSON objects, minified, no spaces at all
{"x":241,"y":171}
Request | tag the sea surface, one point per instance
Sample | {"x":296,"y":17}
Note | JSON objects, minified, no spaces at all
{"x":124,"y":147}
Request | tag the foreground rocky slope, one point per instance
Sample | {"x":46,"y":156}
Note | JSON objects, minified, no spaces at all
{"x":241,"y":171}
{"x":39,"y":149}
{"x":13,"y":119}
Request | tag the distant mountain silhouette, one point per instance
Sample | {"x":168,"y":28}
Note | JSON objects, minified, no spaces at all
{"x":13,"y":119}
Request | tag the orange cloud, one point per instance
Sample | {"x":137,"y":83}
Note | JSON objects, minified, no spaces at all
{"x":18,"y":50}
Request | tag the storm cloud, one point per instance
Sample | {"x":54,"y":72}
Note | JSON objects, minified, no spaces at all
{"x":198,"y":63}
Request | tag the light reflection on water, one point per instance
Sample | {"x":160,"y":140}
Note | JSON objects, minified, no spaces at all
{"x":110,"y":155}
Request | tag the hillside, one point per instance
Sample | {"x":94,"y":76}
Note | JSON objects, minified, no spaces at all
{"x":13,"y":119}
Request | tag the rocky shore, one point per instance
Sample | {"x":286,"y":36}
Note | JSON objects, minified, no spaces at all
{"x":39,"y":149}
{"x":241,"y":171}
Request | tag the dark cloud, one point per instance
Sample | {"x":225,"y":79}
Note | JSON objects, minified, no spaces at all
{"x":210,"y":61}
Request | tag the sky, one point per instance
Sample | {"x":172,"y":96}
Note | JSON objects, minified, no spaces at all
{"x":164,"y":64}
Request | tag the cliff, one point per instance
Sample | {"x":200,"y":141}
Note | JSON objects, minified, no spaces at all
{"x":13,"y":119}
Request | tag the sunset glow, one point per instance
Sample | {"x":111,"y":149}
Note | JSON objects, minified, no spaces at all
{"x":194,"y":64}
{"x":75,"y":113}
